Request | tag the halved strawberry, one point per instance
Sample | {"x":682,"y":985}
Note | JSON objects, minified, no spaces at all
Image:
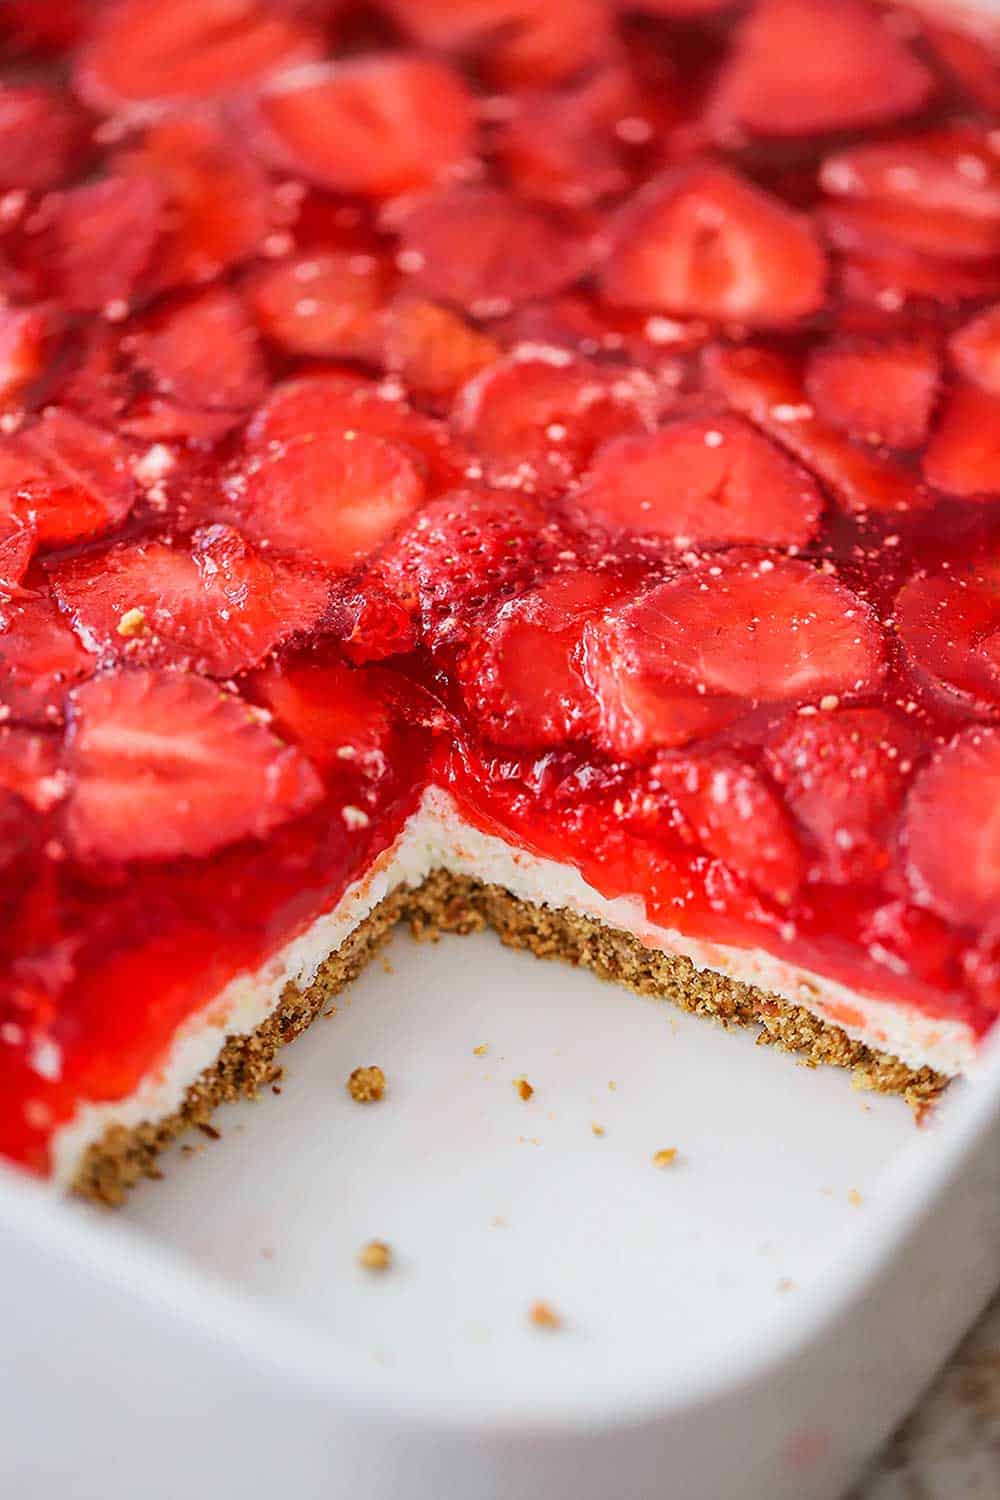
{"x":536,"y":418}
{"x":23,"y":334}
{"x":29,"y":766}
{"x":42,"y":133}
{"x":702,"y":242}
{"x":952,"y":829}
{"x":702,"y":480}
{"x":157,"y":51}
{"x":459,"y":552}
{"x":949,"y":624}
{"x":878,"y":392}
{"x":67,"y":478}
{"x":743,"y":629}
{"x":844,"y":776}
{"x":220,"y":203}
{"x":334,"y":714}
{"x":768,"y":387}
{"x":487,"y":250}
{"x":320,"y":303}
{"x":516,"y":42}
{"x":433,"y":348}
{"x":975,"y":350}
{"x":520,"y":674}
{"x":734,"y":814}
{"x":381,"y":124}
{"x":217,"y":605}
{"x":40,"y":660}
{"x":204,"y":353}
{"x":165,"y":765}
{"x":805,"y":66}
{"x":963,"y":455}
{"x":103,"y":236}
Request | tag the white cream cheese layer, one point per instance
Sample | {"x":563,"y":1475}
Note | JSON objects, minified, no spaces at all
{"x":436,"y":837}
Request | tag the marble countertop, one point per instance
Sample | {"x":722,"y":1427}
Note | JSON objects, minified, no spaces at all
{"x":949,"y":1448}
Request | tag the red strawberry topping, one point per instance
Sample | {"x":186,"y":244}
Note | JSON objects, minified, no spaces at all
{"x":433,"y":349}
{"x":23,"y":334}
{"x":702,"y":242}
{"x":380,"y":125}
{"x":41,"y":135}
{"x":68,"y":479}
{"x":949,"y":624}
{"x":734,"y":814}
{"x":321,"y":303}
{"x":204,"y":353}
{"x":702,"y":480}
{"x":844,"y":776}
{"x":165,"y":765}
{"x":158,"y":51}
{"x":516,"y":41}
{"x":29,"y":766}
{"x":963,"y":455}
{"x":952,"y":829}
{"x":217,"y":606}
{"x":40,"y":660}
{"x":103,"y":237}
{"x":334,"y":714}
{"x":880,"y":393}
{"x":975,"y":350}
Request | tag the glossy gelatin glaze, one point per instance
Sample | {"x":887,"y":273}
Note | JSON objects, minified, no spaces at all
{"x":592,"y":408}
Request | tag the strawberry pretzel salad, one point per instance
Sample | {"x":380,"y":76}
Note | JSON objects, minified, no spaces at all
{"x":519,"y":462}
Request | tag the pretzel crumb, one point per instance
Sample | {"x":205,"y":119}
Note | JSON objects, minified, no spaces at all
{"x":481,"y":1050}
{"x":666,"y":1157}
{"x":597,"y":1129}
{"x":543,"y":1315}
{"x":854,"y":1198}
{"x":524,"y":1089}
{"x":366,"y":1085}
{"x":375,"y":1256}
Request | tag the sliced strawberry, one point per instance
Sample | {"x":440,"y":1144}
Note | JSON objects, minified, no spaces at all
{"x":561,"y":147}
{"x":952,"y":829}
{"x":702,"y":242}
{"x":949,"y":624}
{"x":40,"y":26}
{"x":41,"y":136}
{"x":155,"y":50}
{"x":970,"y":61}
{"x":204,"y":352}
{"x":216,"y":606}
{"x":963,"y":455}
{"x":718,"y":639}
{"x":889,"y":279}
{"x":333,"y":713}
{"x":975,"y":350}
{"x":536,"y":418}
{"x":844,"y":776}
{"x":881,"y":227}
{"x":23,"y":335}
{"x":805,"y":66}
{"x":69,"y":479}
{"x":40,"y":660}
{"x":103,"y":237}
{"x":433,"y":349}
{"x":29,"y":766}
{"x":371,"y":625}
{"x":520,"y":675}
{"x":326,"y":494}
{"x":879,"y":392}
{"x":18,"y":540}
{"x":734,"y":814}
{"x":768,"y":388}
{"x":462,"y":550}
{"x":702,"y":480}
{"x":487,"y":250}
{"x":165,"y":765}
{"x":380,"y":124}
{"x":220,"y":203}
{"x":323,"y":303}
{"x":678,"y":10}
{"x":516,"y":42}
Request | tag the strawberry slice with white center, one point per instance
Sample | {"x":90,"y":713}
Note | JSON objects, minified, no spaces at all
{"x":702,"y":242}
{"x":65,"y":477}
{"x":433,"y":349}
{"x":103,"y":236}
{"x":155,"y":51}
{"x":378,"y":125}
{"x":215,"y":606}
{"x":203,"y":352}
{"x":693,"y":653}
{"x":768,"y":387}
{"x":975,"y":350}
{"x":952,"y":830}
{"x":881,"y":393}
{"x":488,"y":250}
{"x":949,"y":624}
{"x":536,"y":418}
{"x":520,"y":674}
{"x":844,"y":775}
{"x":40,"y":660}
{"x":516,"y":42}
{"x":735,"y":815}
{"x":702,"y":480}
{"x":963,"y":455}
{"x":166,"y":765}
{"x":801,"y":67}
{"x":41,"y":135}
{"x":321,"y":303}
{"x":334,"y":714}
{"x":220,"y":203}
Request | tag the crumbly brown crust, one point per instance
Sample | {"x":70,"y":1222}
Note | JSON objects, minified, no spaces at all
{"x":457,"y":904}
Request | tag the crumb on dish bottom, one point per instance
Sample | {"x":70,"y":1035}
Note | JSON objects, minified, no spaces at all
{"x":458,"y":904}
